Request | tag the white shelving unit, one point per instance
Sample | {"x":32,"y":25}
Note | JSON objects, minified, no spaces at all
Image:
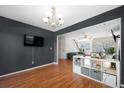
{"x":106,"y":71}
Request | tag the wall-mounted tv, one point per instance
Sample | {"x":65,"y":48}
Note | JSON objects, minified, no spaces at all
{"x":30,"y":40}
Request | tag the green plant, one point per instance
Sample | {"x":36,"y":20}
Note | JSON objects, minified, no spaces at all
{"x":110,"y":50}
{"x":81,"y":51}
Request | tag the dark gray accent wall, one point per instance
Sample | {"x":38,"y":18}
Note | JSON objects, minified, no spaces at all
{"x":14,"y":56}
{"x":110,"y":15}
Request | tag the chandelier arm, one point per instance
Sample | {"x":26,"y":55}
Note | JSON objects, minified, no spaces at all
{"x":53,"y":20}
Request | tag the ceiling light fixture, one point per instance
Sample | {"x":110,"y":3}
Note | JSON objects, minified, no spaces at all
{"x":52,"y":19}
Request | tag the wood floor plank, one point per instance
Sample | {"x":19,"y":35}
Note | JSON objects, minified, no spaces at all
{"x":52,"y":76}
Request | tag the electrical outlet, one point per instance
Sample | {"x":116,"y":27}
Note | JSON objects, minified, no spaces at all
{"x":51,"y":48}
{"x":32,"y":62}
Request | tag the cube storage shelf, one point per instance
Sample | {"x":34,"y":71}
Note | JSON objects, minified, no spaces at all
{"x":95,"y":69}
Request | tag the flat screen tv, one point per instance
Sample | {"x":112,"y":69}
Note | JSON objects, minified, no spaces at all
{"x":30,"y":40}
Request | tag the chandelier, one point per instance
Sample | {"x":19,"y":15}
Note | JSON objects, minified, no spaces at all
{"x":52,"y":19}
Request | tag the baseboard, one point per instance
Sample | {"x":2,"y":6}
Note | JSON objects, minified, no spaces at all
{"x":27,"y":69}
{"x":122,"y":85}
{"x":55,"y":63}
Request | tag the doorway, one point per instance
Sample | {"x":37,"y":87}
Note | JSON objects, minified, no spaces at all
{"x":92,"y":39}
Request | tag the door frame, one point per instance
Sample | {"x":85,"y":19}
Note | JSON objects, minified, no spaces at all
{"x":57,"y":52}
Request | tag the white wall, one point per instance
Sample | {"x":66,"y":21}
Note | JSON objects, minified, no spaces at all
{"x":66,"y":45}
{"x":61,"y":47}
{"x":70,"y":45}
{"x":104,"y":42}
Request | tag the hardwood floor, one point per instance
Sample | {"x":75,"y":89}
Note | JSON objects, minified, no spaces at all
{"x":52,"y":76}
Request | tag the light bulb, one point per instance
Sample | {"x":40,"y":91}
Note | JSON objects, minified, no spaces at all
{"x":53,"y":24}
{"x":49,"y":14}
{"x":45,"y":19}
{"x":61,"y":22}
{"x":59,"y":16}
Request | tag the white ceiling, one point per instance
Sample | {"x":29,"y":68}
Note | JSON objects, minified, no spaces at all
{"x":33,"y":14}
{"x":96,"y":31}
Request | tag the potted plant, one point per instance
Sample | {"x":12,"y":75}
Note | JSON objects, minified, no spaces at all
{"x":109,"y":52}
{"x":81,"y":51}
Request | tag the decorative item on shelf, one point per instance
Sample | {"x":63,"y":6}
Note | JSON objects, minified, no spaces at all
{"x":81,"y":51}
{"x":102,"y":55}
{"x":53,"y":19}
{"x":95,"y":55}
{"x":98,"y":66}
{"x":109,"y":52}
{"x":107,"y":64}
{"x":113,"y":66}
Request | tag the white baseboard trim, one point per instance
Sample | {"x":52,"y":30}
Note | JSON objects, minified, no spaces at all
{"x":122,"y":85}
{"x":55,"y":63}
{"x":27,"y":69}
